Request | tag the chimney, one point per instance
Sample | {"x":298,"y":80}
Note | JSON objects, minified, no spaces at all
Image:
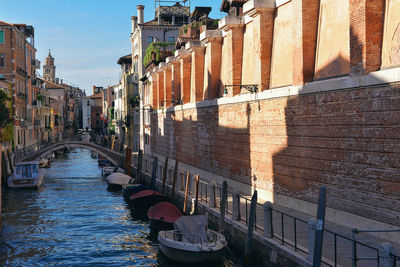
{"x":61,"y":81}
{"x":57,"y":81}
{"x":140,"y":14}
{"x":134,"y":23}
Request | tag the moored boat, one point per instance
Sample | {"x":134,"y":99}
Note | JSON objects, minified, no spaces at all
{"x":103,"y":162}
{"x":26,"y":175}
{"x":117,"y":180}
{"x":191,"y":241}
{"x":107,"y":170}
{"x":131,"y":189}
{"x":144,"y":199}
{"x":163,"y":215}
{"x":44,"y":163}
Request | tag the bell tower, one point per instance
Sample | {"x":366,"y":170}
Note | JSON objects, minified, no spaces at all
{"x":49,"y":69}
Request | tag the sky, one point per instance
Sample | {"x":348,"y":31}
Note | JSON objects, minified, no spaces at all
{"x":86,"y":37}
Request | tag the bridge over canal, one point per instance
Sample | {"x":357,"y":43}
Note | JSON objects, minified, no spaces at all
{"x":44,"y":149}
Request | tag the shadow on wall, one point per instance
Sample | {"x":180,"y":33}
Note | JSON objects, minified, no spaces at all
{"x":347,"y":140}
{"x":215,"y":139}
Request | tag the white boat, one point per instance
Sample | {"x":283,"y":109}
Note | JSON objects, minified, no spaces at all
{"x":191,"y":241}
{"x":107,"y":170}
{"x":26,"y":175}
{"x":117,"y":180}
{"x":44,"y":163}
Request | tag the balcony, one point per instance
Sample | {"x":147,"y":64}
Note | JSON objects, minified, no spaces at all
{"x":20,"y":94}
{"x":35,"y":63}
{"x":22,"y":72}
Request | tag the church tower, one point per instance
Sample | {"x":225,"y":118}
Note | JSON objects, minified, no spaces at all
{"x":49,"y":70}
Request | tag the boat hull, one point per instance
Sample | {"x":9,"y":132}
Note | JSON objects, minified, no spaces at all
{"x":26,"y":183}
{"x":133,"y":189}
{"x":159,"y":225}
{"x":186,"y":251}
{"x":146,"y":202}
{"x":189,"y":256}
{"x":114,"y":187}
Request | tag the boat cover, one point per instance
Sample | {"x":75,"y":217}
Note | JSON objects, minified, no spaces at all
{"x":145,"y":193}
{"x":118,"y":178}
{"x":164,"y":211}
{"x":196,"y":224}
{"x":133,"y":189}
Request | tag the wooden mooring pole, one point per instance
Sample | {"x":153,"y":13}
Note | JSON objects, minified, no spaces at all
{"x":164,"y":178}
{"x":4,"y":170}
{"x":186,"y":191}
{"x":128,"y":159}
{"x":174,"y":179}
{"x":139,"y":167}
{"x":250,"y":229}
{"x":224,"y":199}
{"x":154,"y":173}
{"x":10,"y":160}
{"x":196,"y":193}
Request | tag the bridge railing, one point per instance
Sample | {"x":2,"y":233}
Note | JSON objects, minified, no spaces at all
{"x":35,"y":148}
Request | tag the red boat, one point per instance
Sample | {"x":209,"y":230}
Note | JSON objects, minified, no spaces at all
{"x":163,"y":215}
{"x":144,"y":199}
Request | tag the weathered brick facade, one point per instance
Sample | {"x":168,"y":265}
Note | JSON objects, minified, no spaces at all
{"x":323,"y":115}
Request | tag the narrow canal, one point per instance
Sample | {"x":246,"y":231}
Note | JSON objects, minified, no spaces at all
{"x":72,"y":220}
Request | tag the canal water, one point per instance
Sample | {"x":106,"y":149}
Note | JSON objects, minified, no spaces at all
{"x":72,"y":220}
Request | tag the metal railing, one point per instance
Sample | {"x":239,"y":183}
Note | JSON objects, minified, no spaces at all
{"x":291,"y":230}
{"x":32,"y":149}
{"x":396,"y":259}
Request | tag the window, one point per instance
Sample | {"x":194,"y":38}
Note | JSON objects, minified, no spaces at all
{"x":1,"y":37}
{"x":2,"y":60}
{"x":150,"y":39}
{"x":171,"y":39}
{"x":147,"y":117}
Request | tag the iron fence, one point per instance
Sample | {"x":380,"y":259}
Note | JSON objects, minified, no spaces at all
{"x":396,"y":259}
{"x":292,"y":231}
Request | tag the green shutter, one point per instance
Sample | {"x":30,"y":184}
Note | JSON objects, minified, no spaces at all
{"x":1,"y":37}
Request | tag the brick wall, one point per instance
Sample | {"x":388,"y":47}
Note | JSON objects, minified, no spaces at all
{"x":286,"y":146}
{"x":346,"y":140}
{"x":391,"y":34}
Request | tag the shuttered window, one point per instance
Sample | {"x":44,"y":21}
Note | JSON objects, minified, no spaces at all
{"x":1,"y":37}
{"x":2,"y":60}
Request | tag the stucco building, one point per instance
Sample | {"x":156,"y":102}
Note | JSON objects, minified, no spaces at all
{"x":164,"y":28}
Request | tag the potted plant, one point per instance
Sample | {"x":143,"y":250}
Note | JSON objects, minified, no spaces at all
{"x":135,"y":101}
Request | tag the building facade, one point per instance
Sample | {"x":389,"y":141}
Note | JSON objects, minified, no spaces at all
{"x":164,"y":28}
{"x":285,"y":97}
{"x":18,"y":65}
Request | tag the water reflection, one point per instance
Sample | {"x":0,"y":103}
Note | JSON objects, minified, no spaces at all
{"x":72,"y":220}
